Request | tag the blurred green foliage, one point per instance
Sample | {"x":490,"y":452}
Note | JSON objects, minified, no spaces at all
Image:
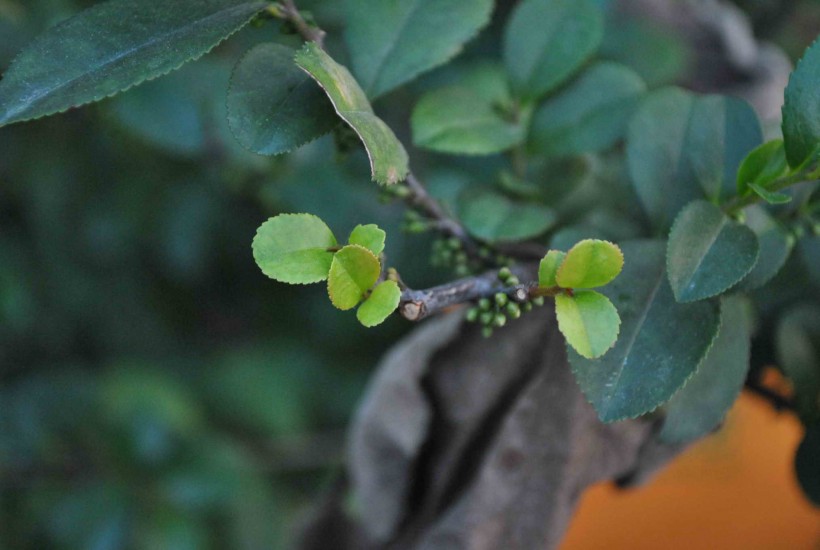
{"x":156,"y":390}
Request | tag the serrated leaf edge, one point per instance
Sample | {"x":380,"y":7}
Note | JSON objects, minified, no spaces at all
{"x":289,"y":214}
{"x":728,"y":288}
{"x":228,"y":110}
{"x":4,"y":121}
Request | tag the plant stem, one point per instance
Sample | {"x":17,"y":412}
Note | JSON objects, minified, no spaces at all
{"x":416,"y":305}
{"x":289,"y":11}
{"x":739,"y":203}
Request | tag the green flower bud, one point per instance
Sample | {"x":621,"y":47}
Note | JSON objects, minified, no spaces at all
{"x":501,"y":299}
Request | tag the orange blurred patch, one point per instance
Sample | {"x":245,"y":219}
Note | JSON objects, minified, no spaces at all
{"x":735,"y":489}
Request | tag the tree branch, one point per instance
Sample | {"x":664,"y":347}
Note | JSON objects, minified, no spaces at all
{"x":421,"y":199}
{"x":288,"y":10}
{"x":416,"y":305}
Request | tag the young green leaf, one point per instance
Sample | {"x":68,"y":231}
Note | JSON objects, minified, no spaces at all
{"x":112,"y":46}
{"x":806,"y":461}
{"x":546,"y":41}
{"x":590,"y":263}
{"x":700,"y":406}
{"x":548,"y":268}
{"x":708,"y":252}
{"x":273,"y":106}
{"x":801,"y":110}
{"x":775,"y":246}
{"x":771,"y":197}
{"x":457,"y":120}
{"x":380,"y":304}
{"x":681,"y":148}
{"x":762,"y":166}
{"x":660,"y":345}
{"x":588,"y":321}
{"x":393,"y":42}
{"x":591,"y":114}
{"x":353,"y":272}
{"x":493,"y":217}
{"x":388,"y":159}
{"x":368,"y":236}
{"x":293,"y":248}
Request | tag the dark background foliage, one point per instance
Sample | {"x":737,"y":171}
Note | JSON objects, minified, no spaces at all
{"x":156,"y":391}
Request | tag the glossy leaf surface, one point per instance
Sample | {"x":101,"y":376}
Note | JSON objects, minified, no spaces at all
{"x":393,"y":41}
{"x":112,"y":46}
{"x":660,"y":345}
{"x":708,"y":252}
{"x":273,"y":106}
{"x":546,"y":41}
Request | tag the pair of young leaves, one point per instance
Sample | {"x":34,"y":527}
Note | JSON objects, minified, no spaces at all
{"x":587,"y":319}
{"x":301,"y":249}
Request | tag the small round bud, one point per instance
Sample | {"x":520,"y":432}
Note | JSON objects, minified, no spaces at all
{"x":513,"y":280}
{"x":400,"y":191}
{"x":484,"y":304}
{"x":486,"y":332}
{"x":513,"y":310}
{"x":538,"y":300}
{"x":462,"y":270}
{"x":501,"y":299}
{"x":500,"y":320}
{"x":527,"y":306}
{"x":461,"y":258}
{"x":504,"y":274}
{"x":472,"y":315}
{"x":487,"y":318}
{"x":454,"y":243}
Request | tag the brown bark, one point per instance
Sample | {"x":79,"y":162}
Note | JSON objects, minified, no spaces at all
{"x":466,"y":442}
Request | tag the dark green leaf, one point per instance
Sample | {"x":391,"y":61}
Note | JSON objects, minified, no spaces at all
{"x":722,"y":131}
{"x":380,"y":304}
{"x":763,"y":165}
{"x":368,"y":236}
{"x":493,"y":217}
{"x":388,"y":159}
{"x":708,"y":252}
{"x":292,"y":248}
{"x":353,"y":272}
{"x":681,"y":147}
{"x":591,"y":114}
{"x":590,"y":263}
{"x":273,"y":106}
{"x":798,"y":353}
{"x":466,"y":120}
{"x":807,"y":463}
{"x":112,"y":46}
{"x":548,"y":268}
{"x":801,"y":111}
{"x":775,"y":246}
{"x":393,"y":41}
{"x":700,"y":406}
{"x":588,"y":321}
{"x":655,"y":141}
{"x":546,"y":41}
{"x":660,"y":345}
{"x":660,"y":57}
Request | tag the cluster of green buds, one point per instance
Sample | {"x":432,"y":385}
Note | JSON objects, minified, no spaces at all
{"x":415,"y":222}
{"x":449,"y":253}
{"x":494,"y":312}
